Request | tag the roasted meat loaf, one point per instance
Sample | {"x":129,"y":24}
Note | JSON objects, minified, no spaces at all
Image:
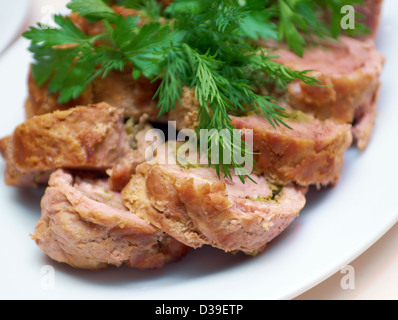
{"x":85,"y":225}
{"x":40,"y":101}
{"x":310,"y":152}
{"x":91,"y":138}
{"x":197,"y":208}
{"x":119,"y":89}
{"x":350,"y":72}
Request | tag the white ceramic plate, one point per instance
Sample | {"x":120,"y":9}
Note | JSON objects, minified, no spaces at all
{"x":336,"y":226}
{"x":12,"y":16}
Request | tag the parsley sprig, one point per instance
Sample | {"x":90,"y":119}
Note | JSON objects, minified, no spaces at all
{"x":207,"y":45}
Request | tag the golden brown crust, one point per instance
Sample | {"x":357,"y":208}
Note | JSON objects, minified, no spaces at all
{"x":119,"y":89}
{"x":78,"y":137}
{"x":15,"y":177}
{"x":134,"y":97}
{"x":91,"y":138}
{"x":40,"y":101}
{"x":310,"y":154}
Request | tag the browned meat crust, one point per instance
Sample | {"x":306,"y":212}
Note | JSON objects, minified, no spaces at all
{"x":86,"y":225}
{"x":134,"y":97}
{"x":40,"y":101}
{"x":90,"y":137}
{"x":310,"y":154}
{"x":15,"y":177}
{"x":350,"y":70}
{"x":197,"y":208}
{"x":119,"y":89}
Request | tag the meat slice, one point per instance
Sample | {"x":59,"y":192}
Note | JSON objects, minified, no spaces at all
{"x":15,"y":177}
{"x":120,"y":174}
{"x":197,"y":208}
{"x":91,"y":137}
{"x":134,"y":97}
{"x":371,"y":10}
{"x":40,"y":101}
{"x":350,"y":71}
{"x":185,"y":114}
{"x":119,"y":89}
{"x":85,"y":225}
{"x":310,"y":152}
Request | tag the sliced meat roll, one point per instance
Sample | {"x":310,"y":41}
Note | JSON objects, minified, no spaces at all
{"x":40,"y":101}
{"x":310,"y":153}
{"x":15,"y":177}
{"x":350,"y":71}
{"x":134,"y":97}
{"x":119,"y":89}
{"x":85,"y":225}
{"x":197,"y":208}
{"x":91,"y":137}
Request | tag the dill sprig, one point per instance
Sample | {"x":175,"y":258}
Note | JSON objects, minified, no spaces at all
{"x":209,"y":46}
